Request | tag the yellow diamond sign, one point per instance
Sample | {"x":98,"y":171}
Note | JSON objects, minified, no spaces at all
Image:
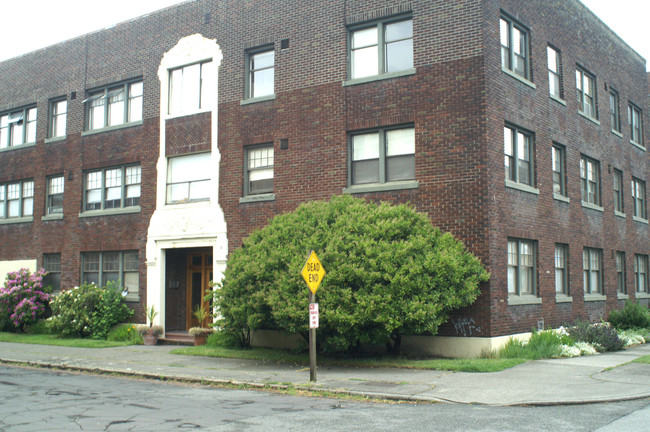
{"x":313,"y":272}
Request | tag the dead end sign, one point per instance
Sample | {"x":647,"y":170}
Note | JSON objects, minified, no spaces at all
{"x":313,"y":272}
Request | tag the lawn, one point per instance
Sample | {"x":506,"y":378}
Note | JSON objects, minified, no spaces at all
{"x":644,"y":359}
{"x":45,"y":339}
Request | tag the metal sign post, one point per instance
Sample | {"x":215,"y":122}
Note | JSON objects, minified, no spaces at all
{"x":313,"y":273}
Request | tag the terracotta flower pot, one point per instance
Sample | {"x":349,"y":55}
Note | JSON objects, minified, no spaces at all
{"x":149,"y":337}
{"x":199,"y":340}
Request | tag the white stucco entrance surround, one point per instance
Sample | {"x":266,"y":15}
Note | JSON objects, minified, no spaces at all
{"x":201,"y":224}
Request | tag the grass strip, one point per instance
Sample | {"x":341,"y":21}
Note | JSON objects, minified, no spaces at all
{"x":279,"y":356}
{"x":645,"y":359}
{"x":45,"y":339}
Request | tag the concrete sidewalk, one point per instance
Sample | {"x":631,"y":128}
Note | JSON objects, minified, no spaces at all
{"x":598,"y":378}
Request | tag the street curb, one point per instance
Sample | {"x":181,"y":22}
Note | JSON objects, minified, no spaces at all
{"x":373,"y":396}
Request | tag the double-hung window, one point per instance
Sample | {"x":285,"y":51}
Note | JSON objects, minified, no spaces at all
{"x":586,"y":91}
{"x":592,"y":270}
{"x":17,"y":199}
{"x":521,"y":267}
{"x":614,"y":111}
{"x":382,"y":156}
{"x":381,"y":48}
{"x":57,"y":120}
{"x":55,"y":187}
{"x":515,"y":48}
{"x":620,"y":273}
{"x":641,"y":273}
{"x":558,"y":159}
{"x":590,"y":181}
{"x":118,"y":266}
{"x":114,"y":105}
{"x":18,"y":127}
{"x":635,"y":118}
{"x":259,"y":170}
{"x":554,"y":73}
{"x":638,"y":198}
{"x":619,"y":202}
{"x":519,"y":155}
{"x":190,"y":88}
{"x":52,"y":265}
{"x":260,"y":71}
{"x":112,"y":188}
{"x":188,"y":178}
{"x":561,"y":269}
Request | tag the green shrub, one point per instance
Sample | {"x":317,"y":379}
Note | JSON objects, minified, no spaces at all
{"x":632,"y":316}
{"x":222,"y":339}
{"x":88,"y":311}
{"x":125,"y":333}
{"x":39,"y":327}
{"x":603,"y":337}
{"x":545,"y":344}
{"x":389,"y":273}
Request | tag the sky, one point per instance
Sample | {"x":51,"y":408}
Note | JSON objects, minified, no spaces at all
{"x":28,"y":25}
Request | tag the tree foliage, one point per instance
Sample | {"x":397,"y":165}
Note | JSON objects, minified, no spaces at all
{"x":389,"y":273}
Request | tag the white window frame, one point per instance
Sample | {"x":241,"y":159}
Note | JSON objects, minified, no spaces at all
{"x":558,"y":162}
{"x":555,"y":85}
{"x":259,"y":162}
{"x":117,"y":105}
{"x":562,"y":269}
{"x":58,"y":118}
{"x":101,"y":267}
{"x":254,"y":73}
{"x":621,"y":282}
{"x":592,"y":267}
{"x":511,"y":57}
{"x":513,"y":140}
{"x":639,"y":198}
{"x":635,"y":119}
{"x":587,"y":93}
{"x":614,"y":111}
{"x":129,"y":192}
{"x":190,"y":88}
{"x":18,"y":127}
{"x":522,"y":271}
{"x":17,"y":200}
{"x":619,"y":195}
{"x":641,"y":274}
{"x":590,"y":181}
{"x":193,"y":185}
{"x":55,"y":191}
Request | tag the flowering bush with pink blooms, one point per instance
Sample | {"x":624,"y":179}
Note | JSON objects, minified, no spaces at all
{"x":23,"y":299}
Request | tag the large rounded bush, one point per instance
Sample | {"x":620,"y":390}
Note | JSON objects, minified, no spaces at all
{"x":23,"y":299}
{"x":389,"y":273}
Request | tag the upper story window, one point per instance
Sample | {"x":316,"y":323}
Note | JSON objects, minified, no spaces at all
{"x":621,"y":283}
{"x":190,"y":88}
{"x":17,"y":199}
{"x":638,"y":197}
{"x":259,"y":170}
{"x":55,"y":187}
{"x":635,"y":118}
{"x":561,"y":269}
{"x":381,"y":48}
{"x":586,"y":90}
{"x":18,"y":127}
{"x":614,"y":111}
{"x":522,"y":271}
{"x":554,"y":73}
{"x":514,"y":48}
{"x":592,"y":270}
{"x":519,"y":155}
{"x":112,"y":188}
{"x":188,"y":178}
{"x":114,"y":105}
{"x":57,"y":120}
{"x":382,"y":156}
{"x":558,"y":160}
{"x":260,"y":72}
{"x":619,"y":199}
{"x":641,"y":273}
{"x":590,"y":180}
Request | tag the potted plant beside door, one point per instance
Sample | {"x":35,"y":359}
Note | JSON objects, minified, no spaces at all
{"x":200,"y":333}
{"x":151,"y":332}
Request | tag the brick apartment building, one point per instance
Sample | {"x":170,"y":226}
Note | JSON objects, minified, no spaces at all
{"x":147,"y":151}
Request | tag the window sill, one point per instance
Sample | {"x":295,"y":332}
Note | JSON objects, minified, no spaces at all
{"x":257,"y":99}
{"x":592,"y":206}
{"x":588,"y":117}
{"x":132,"y":298}
{"x":622,"y":296}
{"x":514,"y":300}
{"x":617,"y":133}
{"x":188,"y":204}
{"x":110,"y":212}
{"x":257,"y":198}
{"x":186,"y":114}
{"x":355,"y":81}
{"x":55,"y":139}
{"x":52,"y":217}
{"x":19,"y":146}
{"x":519,"y":78}
{"x":563,"y":298}
{"x":637,"y":145}
{"x":522,"y":187}
{"x":558,"y":197}
{"x":595,"y":297}
{"x":640,"y":220}
{"x":383,"y":187}
{"x":17,"y":220}
{"x":642,"y":295}
{"x":558,"y":100}
{"x":112,"y":128}
{"x":619,"y":214}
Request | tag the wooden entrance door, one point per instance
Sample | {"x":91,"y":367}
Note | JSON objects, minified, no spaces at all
{"x":199,"y":275}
